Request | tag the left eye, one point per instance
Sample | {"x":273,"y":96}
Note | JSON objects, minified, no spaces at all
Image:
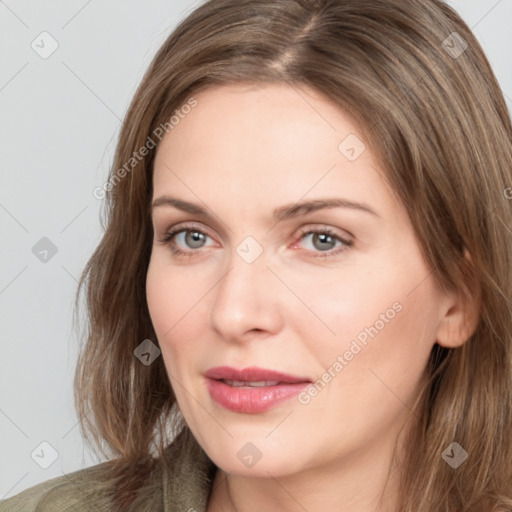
{"x":323,"y":241}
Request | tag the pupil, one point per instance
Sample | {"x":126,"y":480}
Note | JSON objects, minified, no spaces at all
{"x":323,"y":237}
{"x":195,"y":237}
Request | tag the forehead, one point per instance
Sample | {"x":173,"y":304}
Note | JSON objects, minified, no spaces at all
{"x":266,"y":142}
{"x":273,"y":118}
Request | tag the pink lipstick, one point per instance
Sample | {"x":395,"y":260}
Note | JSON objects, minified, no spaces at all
{"x":252,"y":390}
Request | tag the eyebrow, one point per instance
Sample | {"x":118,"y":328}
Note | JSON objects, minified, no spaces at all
{"x":279,"y":214}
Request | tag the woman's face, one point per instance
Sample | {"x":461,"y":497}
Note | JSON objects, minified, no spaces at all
{"x":338,"y":296}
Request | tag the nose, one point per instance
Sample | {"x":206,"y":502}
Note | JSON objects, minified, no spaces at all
{"x":247,"y":301}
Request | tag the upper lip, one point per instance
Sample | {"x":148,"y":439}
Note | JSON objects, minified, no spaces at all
{"x":252,"y":374}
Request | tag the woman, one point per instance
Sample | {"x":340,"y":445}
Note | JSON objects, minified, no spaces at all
{"x":236,"y":362}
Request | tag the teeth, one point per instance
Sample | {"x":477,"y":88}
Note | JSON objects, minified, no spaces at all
{"x":255,"y":384}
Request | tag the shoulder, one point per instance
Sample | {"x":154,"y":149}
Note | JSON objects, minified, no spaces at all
{"x":73,"y":492}
{"x":181,"y":480}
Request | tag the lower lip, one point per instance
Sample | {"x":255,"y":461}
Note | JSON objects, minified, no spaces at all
{"x":252,"y":400}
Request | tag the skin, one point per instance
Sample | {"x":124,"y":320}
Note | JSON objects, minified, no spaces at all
{"x":241,"y":152}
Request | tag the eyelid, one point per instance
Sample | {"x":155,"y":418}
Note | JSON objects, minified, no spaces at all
{"x":327,"y":229}
{"x":175,"y":229}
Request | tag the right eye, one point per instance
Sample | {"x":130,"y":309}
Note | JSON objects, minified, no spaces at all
{"x":187,"y":235}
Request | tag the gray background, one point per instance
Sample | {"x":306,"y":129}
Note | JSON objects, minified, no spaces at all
{"x":59,"y":122}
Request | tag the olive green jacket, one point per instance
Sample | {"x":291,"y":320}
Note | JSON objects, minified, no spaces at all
{"x":182,"y":484}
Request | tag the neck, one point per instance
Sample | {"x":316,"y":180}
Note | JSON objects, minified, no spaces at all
{"x":362,"y":482}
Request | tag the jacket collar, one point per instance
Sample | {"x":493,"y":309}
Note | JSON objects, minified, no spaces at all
{"x":187,"y":476}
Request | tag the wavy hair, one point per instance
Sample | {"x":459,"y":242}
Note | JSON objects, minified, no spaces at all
{"x":417,"y":81}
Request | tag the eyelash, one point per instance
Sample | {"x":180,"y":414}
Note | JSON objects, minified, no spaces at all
{"x":168,"y":239}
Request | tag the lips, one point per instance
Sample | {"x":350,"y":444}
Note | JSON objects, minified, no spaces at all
{"x":252,"y":390}
{"x":252,"y":374}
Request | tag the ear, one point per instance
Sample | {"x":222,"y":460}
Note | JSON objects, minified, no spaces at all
{"x":460,"y":314}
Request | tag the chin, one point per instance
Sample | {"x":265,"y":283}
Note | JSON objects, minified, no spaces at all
{"x":256,"y":457}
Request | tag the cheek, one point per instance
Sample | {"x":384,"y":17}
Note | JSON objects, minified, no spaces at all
{"x":399,"y":349}
{"x":170,"y":295}
{"x":383,"y":330}
{"x":384,"y":362}
{"x":176,"y":302}
{"x":351,"y":305}
{"x":160,"y":301}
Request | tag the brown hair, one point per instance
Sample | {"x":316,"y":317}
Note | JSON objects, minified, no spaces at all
{"x":436,"y":119}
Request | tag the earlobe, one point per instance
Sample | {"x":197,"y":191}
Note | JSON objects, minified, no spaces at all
{"x":461,"y":319}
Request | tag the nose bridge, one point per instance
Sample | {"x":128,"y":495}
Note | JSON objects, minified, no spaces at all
{"x":247,"y":265}
{"x":247,"y":272}
{"x":245,"y":297}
